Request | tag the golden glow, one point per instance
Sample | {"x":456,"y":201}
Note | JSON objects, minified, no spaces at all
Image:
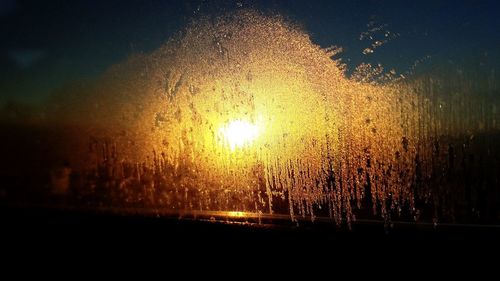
{"x":249,"y":103}
{"x":235,"y":214}
{"x":239,"y":133}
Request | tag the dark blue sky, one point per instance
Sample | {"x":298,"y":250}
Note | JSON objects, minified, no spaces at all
{"x":47,"y":43}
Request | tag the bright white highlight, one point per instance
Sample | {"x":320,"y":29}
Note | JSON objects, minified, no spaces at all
{"x":239,"y":133}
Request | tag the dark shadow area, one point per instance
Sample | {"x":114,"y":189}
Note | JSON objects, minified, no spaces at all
{"x":75,"y":232}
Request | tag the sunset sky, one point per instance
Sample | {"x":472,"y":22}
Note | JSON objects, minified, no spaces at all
{"x":46,"y":44}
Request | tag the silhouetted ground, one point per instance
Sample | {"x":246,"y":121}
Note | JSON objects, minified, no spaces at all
{"x":41,"y":229}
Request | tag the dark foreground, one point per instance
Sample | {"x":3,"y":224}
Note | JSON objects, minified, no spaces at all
{"x":71,"y":231}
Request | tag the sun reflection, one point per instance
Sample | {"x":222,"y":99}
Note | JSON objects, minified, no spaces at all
{"x":239,"y":133}
{"x":235,"y":214}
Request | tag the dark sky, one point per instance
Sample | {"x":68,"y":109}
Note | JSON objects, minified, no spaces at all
{"x":47,"y":43}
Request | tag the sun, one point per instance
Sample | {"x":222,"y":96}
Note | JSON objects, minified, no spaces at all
{"x":239,"y":133}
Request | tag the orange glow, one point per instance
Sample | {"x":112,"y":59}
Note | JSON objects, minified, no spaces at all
{"x":249,"y":111}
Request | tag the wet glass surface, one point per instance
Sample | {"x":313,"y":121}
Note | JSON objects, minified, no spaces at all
{"x":253,"y":111}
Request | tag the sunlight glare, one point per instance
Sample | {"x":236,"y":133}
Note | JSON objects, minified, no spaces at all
{"x":239,"y":133}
